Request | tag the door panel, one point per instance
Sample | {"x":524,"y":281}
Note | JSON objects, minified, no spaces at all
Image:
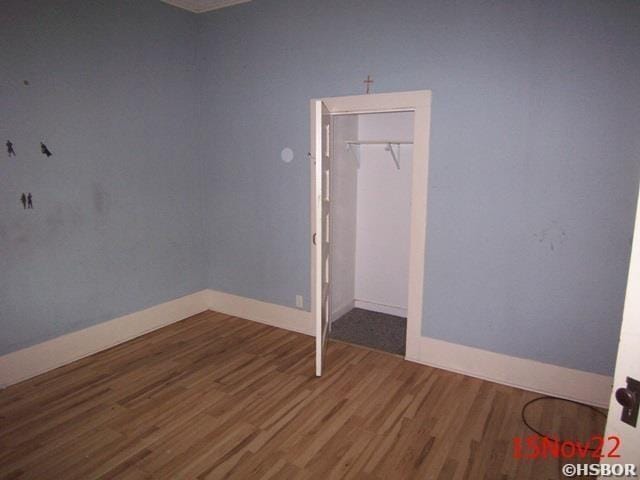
{"x":321,"y":152}
{"x":628,"y":362}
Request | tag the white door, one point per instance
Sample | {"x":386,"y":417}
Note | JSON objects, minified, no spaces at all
{"x":627,"y":370}
{"x":321,"y":151}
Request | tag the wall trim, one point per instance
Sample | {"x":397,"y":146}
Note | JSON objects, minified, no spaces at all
{"x":544,"y":378}
{"x":263,"y":312}
{"x":31,"y":361}
{"x":585,"y":387}
{"x":381,"y":308}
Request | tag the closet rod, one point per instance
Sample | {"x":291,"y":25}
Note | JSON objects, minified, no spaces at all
{"x":388,"y":148}
{"x":379,"y":142}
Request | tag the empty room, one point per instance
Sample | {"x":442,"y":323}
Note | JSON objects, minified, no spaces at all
{"x":282,"y":239}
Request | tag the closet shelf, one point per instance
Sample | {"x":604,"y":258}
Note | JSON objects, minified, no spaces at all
{"x":388,"y":148}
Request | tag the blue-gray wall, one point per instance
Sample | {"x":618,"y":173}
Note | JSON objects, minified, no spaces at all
{"x":117,"y":224}
{"x":534,"y":166}
{"x":166,"y":178}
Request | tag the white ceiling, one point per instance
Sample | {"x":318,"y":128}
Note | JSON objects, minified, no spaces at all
{"x":200,"y":6}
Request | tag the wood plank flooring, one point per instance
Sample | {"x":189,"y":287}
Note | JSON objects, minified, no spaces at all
{"x":215,"y":396}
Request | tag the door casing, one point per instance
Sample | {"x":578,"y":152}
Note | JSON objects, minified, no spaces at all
{"x":628,"y":361}
{"x":418,"y":102}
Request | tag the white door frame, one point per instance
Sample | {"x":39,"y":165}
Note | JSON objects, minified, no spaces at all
{"x":628,"y":360}
{"x":418,"y":102}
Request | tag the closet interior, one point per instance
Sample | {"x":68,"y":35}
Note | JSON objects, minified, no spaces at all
{"x":370,"y":228}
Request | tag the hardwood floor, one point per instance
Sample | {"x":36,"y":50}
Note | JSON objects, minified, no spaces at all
{"x":215,"y":396}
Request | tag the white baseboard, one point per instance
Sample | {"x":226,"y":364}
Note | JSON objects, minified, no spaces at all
{"x":31,"y":361}
{"x":539,"y":377}
{"x":340,"y":311}
{"x":381,"y":308}
{"x":584,"y":387}
{"x":268,"y":313}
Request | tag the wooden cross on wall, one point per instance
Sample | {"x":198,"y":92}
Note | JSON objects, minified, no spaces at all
{"x":368,"y":82}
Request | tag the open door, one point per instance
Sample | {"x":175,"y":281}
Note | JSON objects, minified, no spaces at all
{"x":623,"y":420}
{"x":320,"y":152}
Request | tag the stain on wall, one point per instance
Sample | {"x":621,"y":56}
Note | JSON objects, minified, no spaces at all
{"x":117,"y":223}
{"x":552,"y":236}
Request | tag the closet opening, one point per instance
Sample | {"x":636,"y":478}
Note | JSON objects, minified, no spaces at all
{"x":367,"y":272}
{"x":370,"y":226}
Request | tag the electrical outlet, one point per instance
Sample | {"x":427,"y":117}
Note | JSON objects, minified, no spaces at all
{"x":299,"y":301}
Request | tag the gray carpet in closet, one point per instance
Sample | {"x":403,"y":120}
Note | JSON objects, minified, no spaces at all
{"x":371,"y":329}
